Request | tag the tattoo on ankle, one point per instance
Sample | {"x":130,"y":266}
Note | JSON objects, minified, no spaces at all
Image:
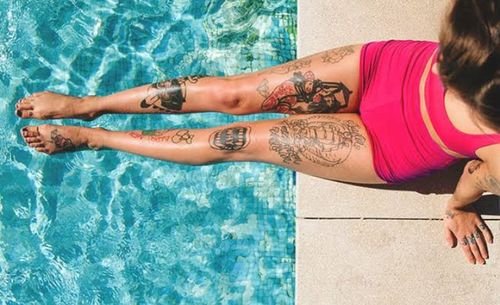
{"x":231,"y":139}
{"x":303,"y":93}
{"x":60,"y":141}
{"x":336,"y":55}
{"x":173,"y":135}
{"x":327,"y":143}
{"x":289,"y":66}
{"x":168,"y":96}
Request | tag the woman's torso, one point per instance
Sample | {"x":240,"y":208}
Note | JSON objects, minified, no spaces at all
{"x":449,"y":120}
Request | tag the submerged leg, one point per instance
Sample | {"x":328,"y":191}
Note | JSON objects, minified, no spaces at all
{"x":325,"y":82}
{"x":329,"y":146}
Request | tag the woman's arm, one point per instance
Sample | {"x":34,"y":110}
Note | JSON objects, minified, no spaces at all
{"x":478,"y":177}
{"x":462,"y":223}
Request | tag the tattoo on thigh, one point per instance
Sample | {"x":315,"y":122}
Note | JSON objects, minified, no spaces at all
{"x":289,"y":67}
{"x":303,"y":93}
{"x":232,"y":139}
{"x":60,"y":141}
{"x":168,"y":96}
{"x":327,"y":143}
{"x":336,"y":55}
{"x":175,"y":136}
{"x":263,"y":88}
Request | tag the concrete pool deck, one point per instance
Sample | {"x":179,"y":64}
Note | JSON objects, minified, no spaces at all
{"x":358,"y":245}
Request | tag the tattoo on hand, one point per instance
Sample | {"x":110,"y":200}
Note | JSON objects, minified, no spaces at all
{"x":289,"y":66}
{"x":449,"y":214}
{"x":60,"y":141}
{"x":303,"y":93}
{"x":335,"y":55}
{"x":464,"y":241}
{"x":327,"y":143}
{"x":231,"y":139}
{"x":174,"y":136}
{"x":168,"y":96}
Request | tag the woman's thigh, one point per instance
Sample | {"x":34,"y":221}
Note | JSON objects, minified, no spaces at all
{"x":331,"y":146}
{"x":326,"y":82}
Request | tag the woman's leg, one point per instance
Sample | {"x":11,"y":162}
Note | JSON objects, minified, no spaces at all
{"x":332,"y":146}
{"x":325,"y":82}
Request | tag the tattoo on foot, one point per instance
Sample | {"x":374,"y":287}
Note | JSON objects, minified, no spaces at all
{"x":60,"y":141}
{"x":327,"y":143}
{"x":336,"y":55}
{"x":168,"y":96}
{"x":303,"y":93}
{"x":290,"y":66}
{"x":232,"y":139}
{"x":174,"y":136}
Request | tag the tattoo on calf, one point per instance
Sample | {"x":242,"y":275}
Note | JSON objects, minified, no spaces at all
{"x":303,"y":93}
{"x":336,"y":55}
{"x":168,"y":96}
{"x":60,"y":141}
{"x":231,"y":139}
{"x":289,"y":67}
{"x":327,"y":143}
{"x":174,"y":136}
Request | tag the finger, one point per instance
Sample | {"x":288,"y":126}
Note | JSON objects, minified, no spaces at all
{"x":481,"y":244}
{"x":450,"y":238}
{"x":474,"y":249}
{"x":464,"y":242}
{"x":486,"y":232}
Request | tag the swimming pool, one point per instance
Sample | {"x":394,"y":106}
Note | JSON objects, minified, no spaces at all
{"x":112,"y":228}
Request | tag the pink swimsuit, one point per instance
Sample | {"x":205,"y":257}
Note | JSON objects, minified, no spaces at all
{"x":403,"y":149}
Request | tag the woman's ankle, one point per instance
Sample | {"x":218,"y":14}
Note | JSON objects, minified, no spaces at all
{"x":93,"y":137}
{"x":90,"y":106}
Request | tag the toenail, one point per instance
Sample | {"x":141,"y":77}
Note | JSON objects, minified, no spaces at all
{"x":24,"y":129}
{"x":18,"y":113}
{"x":30,"y":113}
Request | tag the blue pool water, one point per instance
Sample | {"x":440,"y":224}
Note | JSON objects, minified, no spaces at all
{"x":112,"y":228}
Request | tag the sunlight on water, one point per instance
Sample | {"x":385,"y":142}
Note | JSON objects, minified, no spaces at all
{"x":111,"y":228}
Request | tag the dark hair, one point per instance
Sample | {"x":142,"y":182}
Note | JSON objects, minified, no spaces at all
{"x":470,"y":56}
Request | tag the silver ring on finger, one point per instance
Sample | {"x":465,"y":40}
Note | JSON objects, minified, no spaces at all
{"x":472,"y":239}
{"x":464,"y":241}
{"x":477,"y":234}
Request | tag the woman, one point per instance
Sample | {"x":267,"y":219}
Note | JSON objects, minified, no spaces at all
{"x":372,"y":113}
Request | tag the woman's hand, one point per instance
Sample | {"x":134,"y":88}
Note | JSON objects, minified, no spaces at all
{"x":466,"y":226}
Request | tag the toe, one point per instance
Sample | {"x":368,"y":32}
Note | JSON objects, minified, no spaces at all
{"x":30,"y":131}
{"x":37,"y":145}
{"x":24,"y":106}
{"x":42,"y":150}
{"x":24,"y":114}
{"x":32,"y":139}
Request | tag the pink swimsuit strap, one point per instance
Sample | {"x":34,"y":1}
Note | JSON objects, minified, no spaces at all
{"x":456,"y":140}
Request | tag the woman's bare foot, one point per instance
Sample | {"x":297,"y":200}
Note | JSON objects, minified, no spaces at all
{"x":51,"y":139}
{"x":49,"y":105}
